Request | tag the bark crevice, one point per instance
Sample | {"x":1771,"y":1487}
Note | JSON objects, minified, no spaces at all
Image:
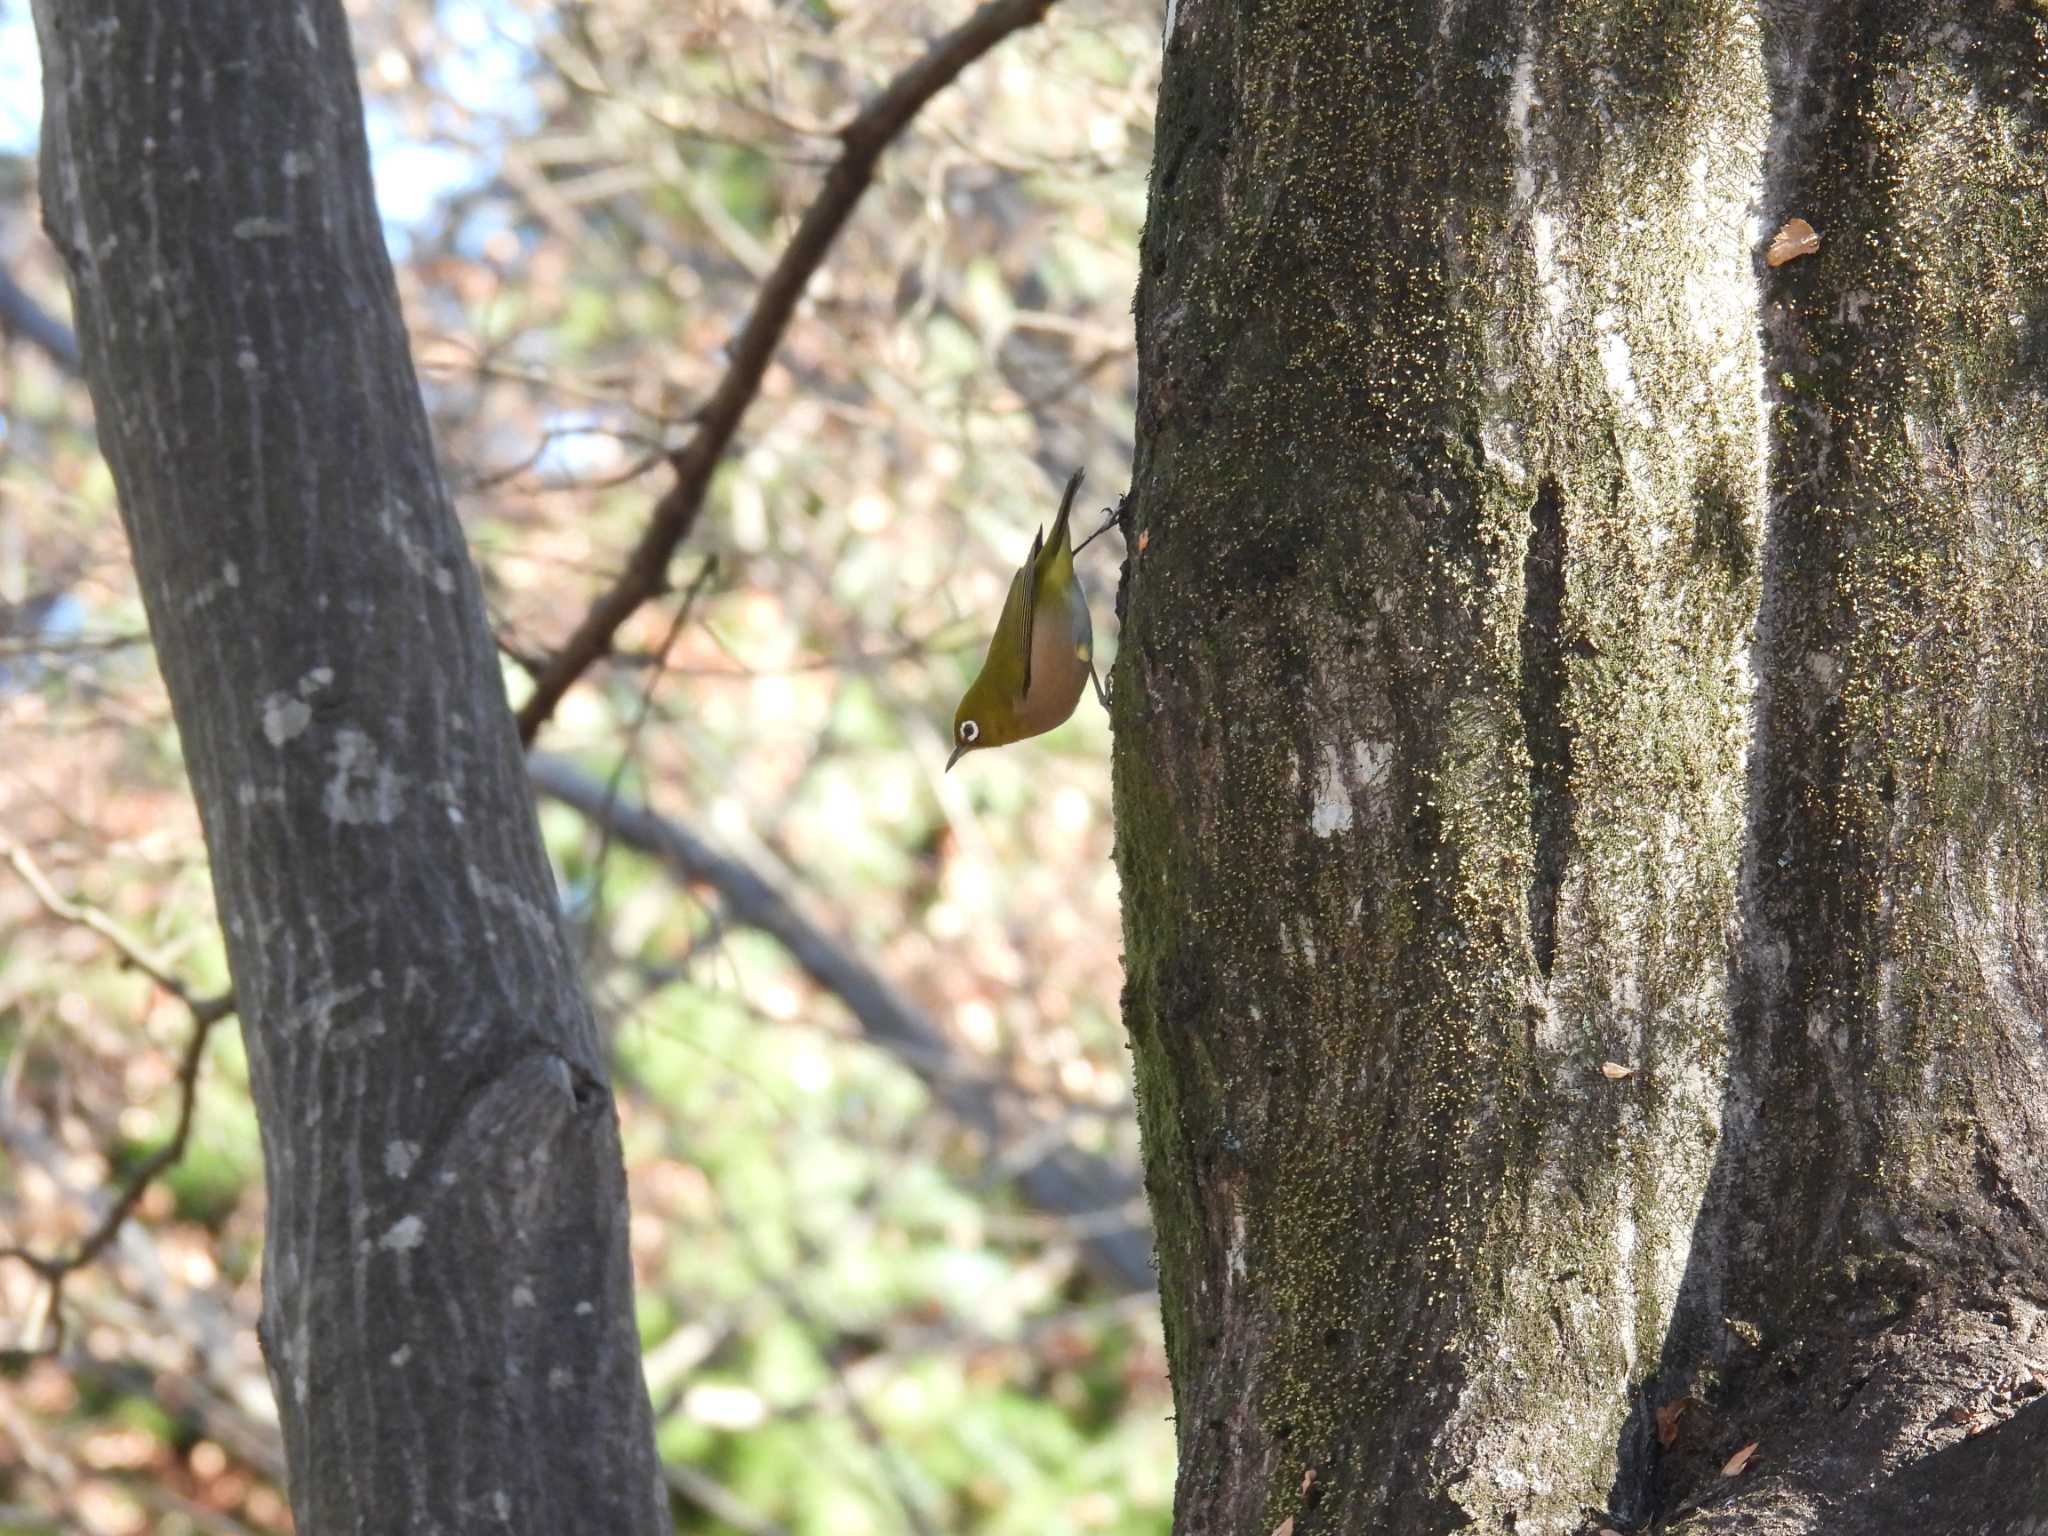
{"x":1544,"y":723}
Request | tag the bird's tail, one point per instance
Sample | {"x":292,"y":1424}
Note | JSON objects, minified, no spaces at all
{"x":1060,"y":535}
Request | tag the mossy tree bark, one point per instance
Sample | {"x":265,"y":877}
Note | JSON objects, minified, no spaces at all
{"x":447,"y":1310}
{"x":1578,"y":690}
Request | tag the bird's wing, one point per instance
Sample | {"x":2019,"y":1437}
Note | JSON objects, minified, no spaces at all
{"x":1013,"y":629}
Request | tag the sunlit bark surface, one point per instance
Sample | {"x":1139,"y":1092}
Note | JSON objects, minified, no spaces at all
{"x":1578,"y":767}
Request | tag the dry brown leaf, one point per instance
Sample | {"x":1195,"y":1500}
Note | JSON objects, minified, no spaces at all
{"x":1308,"y":1481}
{"x":1616,"y":1070}
{"x":1798,"y":238}
{"x":1285,"y":1527}
{"x":1608,"y":1530}
{"x":1668,"y":1417}
{"x":1144,"y":538}
{"x":1739,"y":1460}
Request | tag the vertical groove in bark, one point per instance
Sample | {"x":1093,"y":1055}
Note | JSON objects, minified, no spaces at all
{"x":447,"y":1311}
{"x":1406,"y":265}
{"x":1876,"y":1233}
{"x":1543,"y":719}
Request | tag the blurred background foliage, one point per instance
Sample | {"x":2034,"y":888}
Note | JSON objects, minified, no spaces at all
{"x":859,"y":1315}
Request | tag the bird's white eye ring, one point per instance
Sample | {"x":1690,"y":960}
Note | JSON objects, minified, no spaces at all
{"x":969,"y":731}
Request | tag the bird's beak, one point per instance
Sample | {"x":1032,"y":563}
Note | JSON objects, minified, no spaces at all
{"x":958,"y":751}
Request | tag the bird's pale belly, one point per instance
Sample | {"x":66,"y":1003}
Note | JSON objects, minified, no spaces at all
{"x":1061,"y":649}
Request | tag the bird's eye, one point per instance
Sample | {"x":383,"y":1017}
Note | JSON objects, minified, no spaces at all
{"x":969,"y":731}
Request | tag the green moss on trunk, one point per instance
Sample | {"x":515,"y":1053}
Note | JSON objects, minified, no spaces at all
{"x":1396,"y":278}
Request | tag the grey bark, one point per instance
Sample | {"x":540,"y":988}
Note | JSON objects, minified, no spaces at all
{"x":1577,"y":756}
{"x":447,"y":1312}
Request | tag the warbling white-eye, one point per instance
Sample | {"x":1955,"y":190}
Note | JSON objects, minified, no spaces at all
{"x":1042,"y":654}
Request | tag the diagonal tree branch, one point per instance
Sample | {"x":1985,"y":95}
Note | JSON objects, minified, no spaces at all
{"x":862,"y":142}
{"x":21,"y":315}
{"x":1060,"y":1179}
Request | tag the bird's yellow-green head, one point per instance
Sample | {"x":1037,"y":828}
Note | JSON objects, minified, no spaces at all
{"x":987,"y":716}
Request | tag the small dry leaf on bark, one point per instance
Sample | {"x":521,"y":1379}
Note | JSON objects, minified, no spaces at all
{"x":1798,"y":238}
{"x":1668,"y":1417}
{"x":1616,"y":1070}
{"x":1739,"y":1460}
{"x":1308,"y":1481}
{"x":1144,"y":538}
{"x":1285,"y":1527}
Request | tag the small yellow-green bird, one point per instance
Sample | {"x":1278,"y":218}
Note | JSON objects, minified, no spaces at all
{"x":1042,"y":654}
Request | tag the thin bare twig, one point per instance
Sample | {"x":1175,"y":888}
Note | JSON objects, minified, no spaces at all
{"x":634,"y":729}
{"x":895,"y":1476}
{"x":862,"y":142}
{"x":716,"y":1500}
{"x":130,"y":949}
{"x":206,"y":1012}
{"x":21,"y":315}
{"x":68,"y":645}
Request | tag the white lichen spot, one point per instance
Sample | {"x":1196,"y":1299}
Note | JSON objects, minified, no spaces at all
{"x":1371,"y":760}
{"x":1617,"y":362}
{"x":284,"y":717}
{"x":501,"y":1504}
{"x":395,"y":521}
{"x":561,"y":1378}
{"x":1237,"y":1244}
{"x":401,"y":1355}
{"x":295,"y":165}
{"x":363,"y":790}
{"x":246,"y":360}
{"x":1521,"y":107}
{"x":1332,"y":811}
{"x":497,"y":894}
{"x":1550,"y":281}
{"x":522,"y":1296}
{"x":307,"y":30}
{"x":1498,"y":441}
{"x":406,"y":1234}
{"x":399,"y":1157}
{"x":227,"y":580}
{"x":316,"y":1010}
{"x":585,"y":1308}
{"x":261,"y":227}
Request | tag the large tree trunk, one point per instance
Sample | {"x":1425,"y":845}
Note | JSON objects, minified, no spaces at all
{"x":447,"y":1299}
{"x":1874,"y":1250}
{"x":1522,"y":1047}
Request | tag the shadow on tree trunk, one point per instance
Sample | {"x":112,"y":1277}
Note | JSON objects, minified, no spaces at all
{"x":1863,"y":1290}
